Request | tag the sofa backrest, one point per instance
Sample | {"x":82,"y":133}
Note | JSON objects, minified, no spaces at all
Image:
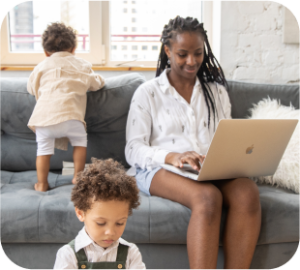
{"x":106,"y":116}
{"x":243,"y":95}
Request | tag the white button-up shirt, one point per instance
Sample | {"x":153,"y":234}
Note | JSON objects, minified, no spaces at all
{"x":66,"y":259}
{"x":161,"y":121}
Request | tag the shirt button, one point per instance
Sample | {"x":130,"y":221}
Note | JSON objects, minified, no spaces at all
{"x":83,"y":266}
{"x":120,"y":266}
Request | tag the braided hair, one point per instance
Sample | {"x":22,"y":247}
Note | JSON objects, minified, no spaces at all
{"x":210,"y":70}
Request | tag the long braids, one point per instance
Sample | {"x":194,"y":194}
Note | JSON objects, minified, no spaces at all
{"x":210,"y":70}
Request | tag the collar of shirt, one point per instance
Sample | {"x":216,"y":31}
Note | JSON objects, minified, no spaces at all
{"x":165,"y":84}
{"x":61,"y":54}
{"x":83,"y":240}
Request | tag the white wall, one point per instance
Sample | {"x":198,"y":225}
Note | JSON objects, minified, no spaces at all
{"x":252,"y":47}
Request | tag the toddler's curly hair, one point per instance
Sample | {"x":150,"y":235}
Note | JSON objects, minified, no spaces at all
{"x":58,"y":37}
{"x":104,"y":180}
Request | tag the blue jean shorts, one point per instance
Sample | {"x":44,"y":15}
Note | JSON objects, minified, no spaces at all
{"x":144,"y":179}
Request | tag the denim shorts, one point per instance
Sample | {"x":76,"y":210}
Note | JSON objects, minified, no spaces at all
{"x":144,"y":178}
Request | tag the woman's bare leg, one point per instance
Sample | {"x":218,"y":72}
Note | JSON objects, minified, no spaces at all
{"x":42,"y":170}
{"x":243,"y":222}
{"x":79,"y":157}
{"x":205,"y":201}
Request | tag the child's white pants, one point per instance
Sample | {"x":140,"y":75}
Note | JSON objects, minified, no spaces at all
{"x":72,"y":129}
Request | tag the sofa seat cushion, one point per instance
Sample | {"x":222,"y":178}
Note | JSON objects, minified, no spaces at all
{"x":49,"y":217}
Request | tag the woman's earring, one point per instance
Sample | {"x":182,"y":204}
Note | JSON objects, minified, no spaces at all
{"x":169,"y":62}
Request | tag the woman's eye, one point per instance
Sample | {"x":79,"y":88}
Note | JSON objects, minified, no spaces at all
{"x":101,"y":224}
{"x":198,"y":54}
{"x":181,"y":55}
{"x":120,"y":224}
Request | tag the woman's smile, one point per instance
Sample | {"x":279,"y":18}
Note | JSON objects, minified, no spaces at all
{"x":191,"y":70}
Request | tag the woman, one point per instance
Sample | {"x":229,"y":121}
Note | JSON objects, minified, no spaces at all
{"x":172,"y":120}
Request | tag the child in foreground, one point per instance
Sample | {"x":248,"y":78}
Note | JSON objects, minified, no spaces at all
{"x":104,"y":197}
{"x":59,"y":84}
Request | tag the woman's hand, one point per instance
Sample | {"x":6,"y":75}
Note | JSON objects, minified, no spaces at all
{"x":191,"y":157}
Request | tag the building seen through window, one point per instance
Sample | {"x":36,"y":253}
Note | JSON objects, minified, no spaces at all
{"x":144,"y":36}
{"x":28,"y":20}
{"x":138,"y":30}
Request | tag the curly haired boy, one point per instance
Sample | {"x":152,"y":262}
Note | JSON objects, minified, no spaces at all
{"x":104,"y":197}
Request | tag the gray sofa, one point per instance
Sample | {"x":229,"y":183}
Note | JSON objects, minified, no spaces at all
{"x":35,"y":225}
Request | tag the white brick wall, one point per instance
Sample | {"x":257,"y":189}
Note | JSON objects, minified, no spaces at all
{"x":252,"y":47}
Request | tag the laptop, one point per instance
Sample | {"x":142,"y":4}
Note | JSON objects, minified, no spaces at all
{"x":242,"y":148}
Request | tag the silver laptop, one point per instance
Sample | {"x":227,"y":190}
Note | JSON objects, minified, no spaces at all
{"x":243,"y":148}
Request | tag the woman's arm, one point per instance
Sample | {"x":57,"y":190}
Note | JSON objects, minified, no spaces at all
{"x":223,"y":98}
{"x":138,"y":150}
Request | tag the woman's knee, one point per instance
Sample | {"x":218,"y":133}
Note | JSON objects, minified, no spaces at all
{"x":245,"y":196}
{"x":206,"y":199}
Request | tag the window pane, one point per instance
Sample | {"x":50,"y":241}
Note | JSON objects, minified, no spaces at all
{"x":28,"y":21}
{"x":151,"y":16}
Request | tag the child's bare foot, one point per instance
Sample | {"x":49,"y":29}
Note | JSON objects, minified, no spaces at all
{"x":41,"y":186}
{"x":74,"y":181}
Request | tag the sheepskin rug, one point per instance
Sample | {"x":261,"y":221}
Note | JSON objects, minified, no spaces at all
{"x":287,"y":173}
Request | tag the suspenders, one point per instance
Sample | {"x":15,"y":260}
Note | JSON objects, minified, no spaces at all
{"x":83,"y":262}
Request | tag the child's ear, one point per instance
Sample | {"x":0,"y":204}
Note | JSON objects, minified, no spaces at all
{"x":80,"y":214}
{"x":73,"y":50}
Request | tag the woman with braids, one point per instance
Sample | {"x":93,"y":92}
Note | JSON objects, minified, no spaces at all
{"x":172,"y":120}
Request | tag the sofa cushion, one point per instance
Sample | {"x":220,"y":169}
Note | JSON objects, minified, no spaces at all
{"x":106,"y":116}
{"x":243,"y":95}
{"x":49,"y":217}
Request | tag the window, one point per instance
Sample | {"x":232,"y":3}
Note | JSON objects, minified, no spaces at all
{"x":124,"y":10}
{"x":124,"y":47}
{"x":101,"y":36}
{"x":148,"y":31}
{"x":125,"y":56}
{"x":22,"y":28}
{"x":134,"y":56}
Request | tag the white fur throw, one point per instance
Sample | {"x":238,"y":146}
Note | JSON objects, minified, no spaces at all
{"x":287,"y":173}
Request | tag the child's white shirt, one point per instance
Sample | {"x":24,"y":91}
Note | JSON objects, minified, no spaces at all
{"x":66,"y":259}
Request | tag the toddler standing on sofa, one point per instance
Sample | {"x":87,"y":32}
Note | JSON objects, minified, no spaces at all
{"x":59,"y":84}
{"x":103,"y":197}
